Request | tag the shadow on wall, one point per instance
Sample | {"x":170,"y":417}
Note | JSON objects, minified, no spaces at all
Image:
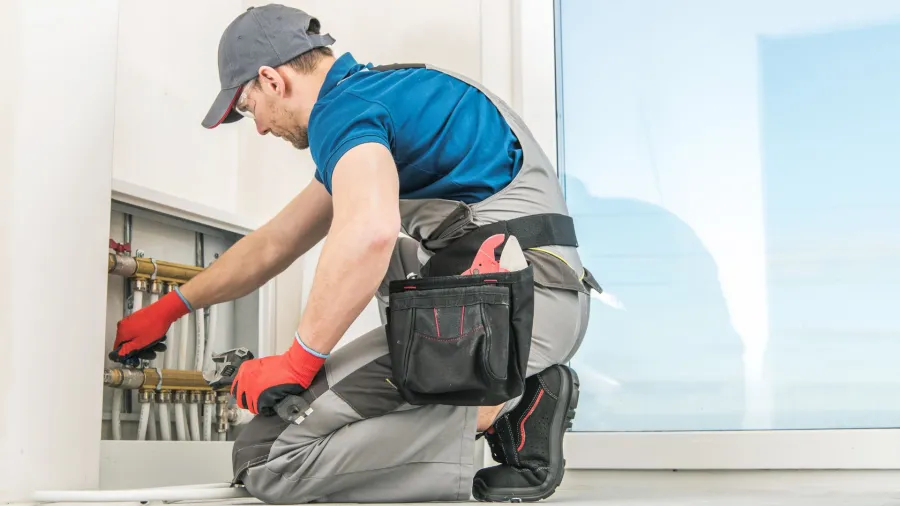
{"x":668,"y":358}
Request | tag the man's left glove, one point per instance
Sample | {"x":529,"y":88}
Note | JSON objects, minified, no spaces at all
{"x":262,"y":383}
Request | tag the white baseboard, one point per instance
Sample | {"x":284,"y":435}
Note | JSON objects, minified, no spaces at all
{"x":735,"y":450}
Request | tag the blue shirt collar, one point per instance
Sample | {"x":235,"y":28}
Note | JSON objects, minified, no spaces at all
{"x":343,"y":67}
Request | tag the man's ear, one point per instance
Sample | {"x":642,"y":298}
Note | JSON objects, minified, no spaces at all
{"x":272,"y":82}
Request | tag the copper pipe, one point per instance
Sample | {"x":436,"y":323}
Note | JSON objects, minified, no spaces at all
{"x":157,"y":379}
{"x":123,"y":265}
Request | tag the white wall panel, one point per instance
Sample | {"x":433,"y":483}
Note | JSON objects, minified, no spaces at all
{"x":58,"y":175}
{"x":166,"y":79}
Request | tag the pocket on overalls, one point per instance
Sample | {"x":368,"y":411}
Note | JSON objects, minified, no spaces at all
{"x":461,"y":340}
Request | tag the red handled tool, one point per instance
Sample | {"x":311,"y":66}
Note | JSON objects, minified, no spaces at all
{"x":485,"y":259}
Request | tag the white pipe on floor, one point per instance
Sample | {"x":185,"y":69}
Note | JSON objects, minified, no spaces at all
{"x":194,"y":420}
{"x":191,"y":493}
{"x":165,"y":425}
{"x":143,"y":422}
{"x":180,"y":433}
{"x":207,"y":421}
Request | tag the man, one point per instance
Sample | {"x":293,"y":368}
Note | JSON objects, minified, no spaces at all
{"x":397,"y":148}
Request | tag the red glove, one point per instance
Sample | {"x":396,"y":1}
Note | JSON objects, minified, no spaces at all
{"x":141,"y":334}
{"x":262,"y":383}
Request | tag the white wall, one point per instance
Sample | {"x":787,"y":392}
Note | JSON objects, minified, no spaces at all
{"x":166,"y":79}
{"x":9,"y":44}
{"x":57,"y":174}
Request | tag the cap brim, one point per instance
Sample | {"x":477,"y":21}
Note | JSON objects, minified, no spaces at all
{"x":222,"y":110}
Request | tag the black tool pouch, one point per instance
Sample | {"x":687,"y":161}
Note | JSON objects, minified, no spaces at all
{"x":461,"y":340}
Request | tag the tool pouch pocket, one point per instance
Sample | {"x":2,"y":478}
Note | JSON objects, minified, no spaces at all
{"x":461,"y":340}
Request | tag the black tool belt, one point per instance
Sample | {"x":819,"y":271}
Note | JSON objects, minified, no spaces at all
{"x":465,"y":340}
{"x":531,"y":231}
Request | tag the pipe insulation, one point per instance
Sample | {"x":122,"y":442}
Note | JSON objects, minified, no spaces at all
{"x":194,"y":420}
{"x":209,"y":368}
{"x":180,"y":431}
{"x":155,"y":288}
{"x":165,"y":424}
{"x":183,"y":342}
{"x":199,"y":347}
{"x":170,"y":356}
{"x":117,"y":394}
{"x":189,"y":493}
{"x":117,"y":397}
{"x":154,"y":297}
{"x":207,"y":421}
{"x":144,"y":421}
{"x":152,"y":433}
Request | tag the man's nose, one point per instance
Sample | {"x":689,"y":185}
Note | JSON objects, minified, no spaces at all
{"x":262,"y":130}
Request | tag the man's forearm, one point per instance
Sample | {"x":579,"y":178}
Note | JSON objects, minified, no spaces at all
{"x":353,"y":263}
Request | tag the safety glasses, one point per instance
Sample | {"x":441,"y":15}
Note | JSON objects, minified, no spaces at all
{"x":242,"y":106}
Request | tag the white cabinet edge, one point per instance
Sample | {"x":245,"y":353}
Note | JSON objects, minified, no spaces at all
{"x":154,"y":200}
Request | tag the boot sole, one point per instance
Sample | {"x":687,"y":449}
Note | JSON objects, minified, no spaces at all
{"x":562,"y":420}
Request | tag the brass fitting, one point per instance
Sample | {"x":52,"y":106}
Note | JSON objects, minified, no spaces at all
{"x":144,"y":396}
{"x":139,"y":284}
{"x":221,"y":414}
{"x":164,"y":397}
{"x":155,"y":286}
{"x":194,"y":398}
{"x":128,"y":379}
{"x":130,"y":266}
{"x":209,"y":397}
{"x":157,"y":379}
{"x":180,"y":396}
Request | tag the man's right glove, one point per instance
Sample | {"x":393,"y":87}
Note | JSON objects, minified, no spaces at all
{"x":141,"y":334}
{"x":262,"y":383}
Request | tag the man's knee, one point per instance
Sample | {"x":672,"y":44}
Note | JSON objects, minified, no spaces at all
{"x":252,"y":446}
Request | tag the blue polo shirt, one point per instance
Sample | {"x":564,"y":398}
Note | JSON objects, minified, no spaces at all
{"x":448,"y":140}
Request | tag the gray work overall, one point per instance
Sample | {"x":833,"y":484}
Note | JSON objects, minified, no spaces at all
{"x":362,"y":442}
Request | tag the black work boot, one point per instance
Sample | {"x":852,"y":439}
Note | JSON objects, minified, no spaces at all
{"x":527,"y":441}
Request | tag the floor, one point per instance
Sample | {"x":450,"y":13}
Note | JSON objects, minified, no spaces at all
{"x":773,"y":488}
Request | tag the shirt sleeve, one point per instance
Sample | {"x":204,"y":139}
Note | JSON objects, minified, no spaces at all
{"x":342,"y":124}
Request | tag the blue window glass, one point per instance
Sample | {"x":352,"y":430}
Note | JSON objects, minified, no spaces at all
{"x":734,"y":172}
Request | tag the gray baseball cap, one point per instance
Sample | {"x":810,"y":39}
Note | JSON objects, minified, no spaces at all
{"x":269,"y":35}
